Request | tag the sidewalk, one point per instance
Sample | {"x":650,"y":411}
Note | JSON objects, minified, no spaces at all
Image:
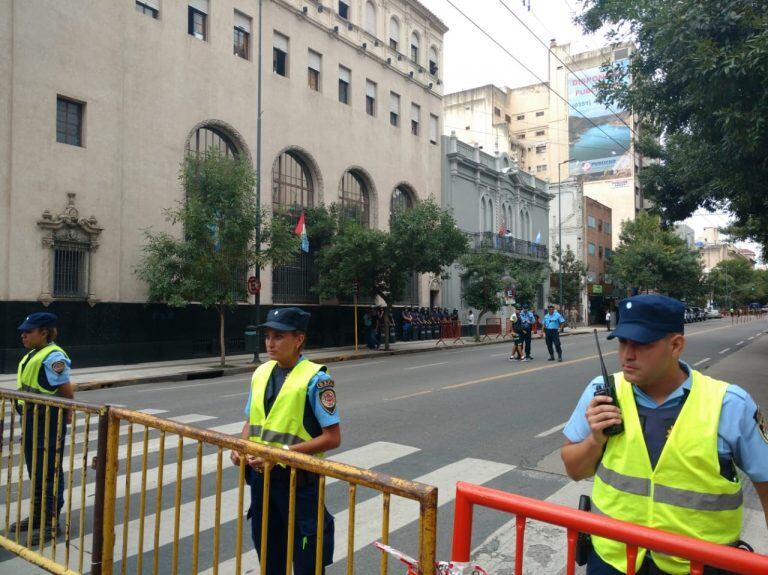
{"x":208,"y":367}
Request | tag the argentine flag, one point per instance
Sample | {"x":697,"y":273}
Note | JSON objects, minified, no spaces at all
{"x":538,"y":238}
{"x":301,"y":231}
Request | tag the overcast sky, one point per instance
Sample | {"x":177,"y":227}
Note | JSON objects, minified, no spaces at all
{"x":471,"y":59}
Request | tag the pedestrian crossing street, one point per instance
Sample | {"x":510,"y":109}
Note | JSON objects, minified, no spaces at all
{"x":545,"y":544}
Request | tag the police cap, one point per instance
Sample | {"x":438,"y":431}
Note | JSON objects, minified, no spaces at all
{"x":39,"y":319}
{"x":649,"y":317}
{"x":287,"y":319}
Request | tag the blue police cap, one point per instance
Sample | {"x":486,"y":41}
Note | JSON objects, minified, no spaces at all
{"x":39,"y":319}
{"x":647,"y":318}
{"x":287,"y":319}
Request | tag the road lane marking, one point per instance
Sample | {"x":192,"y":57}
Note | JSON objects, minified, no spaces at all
{"x":426,"y":365}
{"x":701,"y":361}
{"x":751,"y":337}
{"x":726,"y":350}
{"x":236,"y":394}
{"x":741,"y":342}
{"x":191,"y":418}
{"x":552,"y":430}
{"x":418,"y":393}
{"x":152,"y":411}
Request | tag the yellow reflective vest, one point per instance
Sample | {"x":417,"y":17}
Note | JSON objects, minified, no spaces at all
{"x":29,"y":370}
{"x":684,"y":493}
{"x":285,"y":423}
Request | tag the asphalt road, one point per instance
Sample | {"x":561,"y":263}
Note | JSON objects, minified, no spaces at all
{"x":465,"y":414}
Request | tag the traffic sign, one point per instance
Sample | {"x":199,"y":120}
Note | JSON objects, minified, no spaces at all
{"x":254,"y":285}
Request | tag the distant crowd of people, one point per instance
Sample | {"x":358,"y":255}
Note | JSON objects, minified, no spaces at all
{"x":415,"y":323}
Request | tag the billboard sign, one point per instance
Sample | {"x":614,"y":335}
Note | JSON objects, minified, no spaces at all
{"x":598,"y":137}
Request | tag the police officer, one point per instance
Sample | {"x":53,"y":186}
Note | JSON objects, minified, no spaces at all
{"x":553,"y":326}
{"x":674,"y":465}
{"x":527,"y":319}
{"x":407,"y":319}
{"x":292,"y":405}
{"x":44,"y":370}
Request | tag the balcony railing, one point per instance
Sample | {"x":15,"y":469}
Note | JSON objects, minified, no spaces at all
{"x":510,"y":245}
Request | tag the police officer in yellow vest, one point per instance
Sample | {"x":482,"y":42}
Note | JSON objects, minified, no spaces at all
{"x":674,"y":465}
{"x":44,"y":370}
{"x":292,"y":405}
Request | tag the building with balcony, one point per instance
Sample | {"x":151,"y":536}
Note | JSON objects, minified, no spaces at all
{"x":494,"y":203}
{"x":100,"y":107}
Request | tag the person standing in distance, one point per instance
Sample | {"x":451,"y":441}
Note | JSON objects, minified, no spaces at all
{"x":608,"y":319}
{"x":527,"y":319}
{"x":553,"y":326}
{"x":292,"y":406}
{"x":44,"y":370}
{"x":674,"y":465}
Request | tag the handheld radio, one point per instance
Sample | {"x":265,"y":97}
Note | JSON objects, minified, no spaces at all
{"x":608,"y":388}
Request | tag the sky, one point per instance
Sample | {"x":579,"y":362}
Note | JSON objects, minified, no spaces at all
{"x":471,"y":59}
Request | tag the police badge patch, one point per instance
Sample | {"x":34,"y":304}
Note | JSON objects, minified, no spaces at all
{"x":58,"y":367}
{"x":762,"y":424}
{"x":325,"y":383}
{"x":328,"y":400}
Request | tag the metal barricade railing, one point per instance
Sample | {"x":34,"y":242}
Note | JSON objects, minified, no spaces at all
{"x":492,"y":328}
{"x":33,"y":434}
{"x":700,"y":553}
{"x":450,"y":330}
{"x":124,"y":533}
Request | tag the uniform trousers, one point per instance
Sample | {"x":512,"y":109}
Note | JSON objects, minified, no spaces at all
{"x":525,"y":333}
{"x":305,"y":529}
{"x":596,"y":566}
{"x":37,"y":451}
{"x":553,"y":341}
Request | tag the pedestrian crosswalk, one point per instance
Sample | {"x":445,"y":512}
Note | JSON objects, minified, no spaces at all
{"x":193,"y":479}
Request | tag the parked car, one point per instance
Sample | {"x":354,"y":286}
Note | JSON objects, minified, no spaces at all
{"x":688,"y":315}
{"x":713,"y":313}
{"x":698,"y":314}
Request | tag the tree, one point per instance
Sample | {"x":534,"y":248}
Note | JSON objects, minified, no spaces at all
{"x":481,"y":274}
{"x":218,"y":219}
{"x":574,"y":272}
{"x":422,"y":239}
{"x":733,"y":283}
{"x":651,"y":257}
{"x":698,"y":86}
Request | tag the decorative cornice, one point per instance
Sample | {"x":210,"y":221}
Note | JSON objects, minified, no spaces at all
{"x":74,"y":227}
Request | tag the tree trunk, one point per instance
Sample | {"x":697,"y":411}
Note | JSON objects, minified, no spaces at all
{"x":222,"y":343}
{"x":477,"y":326}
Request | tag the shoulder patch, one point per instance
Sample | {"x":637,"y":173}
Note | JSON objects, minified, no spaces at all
{"x":762,"y":424}
{"x":328,"y":400}
{"x":325,"y":383}
{"x":58,"y":366}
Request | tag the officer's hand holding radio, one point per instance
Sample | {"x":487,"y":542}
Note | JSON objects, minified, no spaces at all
{"x":602,"y":414}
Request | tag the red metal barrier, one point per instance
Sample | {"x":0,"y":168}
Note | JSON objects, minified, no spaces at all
{"x":492,"y":327}
{"x":699,"y":552}
{"x":450,"y":330}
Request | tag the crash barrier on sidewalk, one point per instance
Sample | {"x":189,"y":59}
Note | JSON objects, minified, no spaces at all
{"x":35,"y":434}
{"x":450,"y":332}
{"x":492,"y":328}
{"x":700,"y":553}
{"x":140,"y":483}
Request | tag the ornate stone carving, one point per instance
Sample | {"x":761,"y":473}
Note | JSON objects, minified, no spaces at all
{"x":69,"y":226}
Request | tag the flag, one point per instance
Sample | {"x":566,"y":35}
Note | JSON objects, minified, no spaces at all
{"x":301,"y":231}
{"x":502,"y":229}
{"x":538,"y":238}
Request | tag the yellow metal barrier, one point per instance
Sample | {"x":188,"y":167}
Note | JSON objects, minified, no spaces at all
{"x":37,"y":439}
{"x":132,"y":545}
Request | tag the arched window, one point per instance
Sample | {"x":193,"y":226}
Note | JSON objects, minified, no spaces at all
{"x":433,"y":61}
{"x":292,"y":186}
{"x":208,"y":138}
{"x":355,"y":197}
{"x":487,"y":215}
{"x":415,"y":47}
{"x":394,"y":33}
{"x":402,"y":199}
{"x":370,"y":18}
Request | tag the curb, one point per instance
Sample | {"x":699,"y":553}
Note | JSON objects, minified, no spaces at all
{"x":214,"y":372}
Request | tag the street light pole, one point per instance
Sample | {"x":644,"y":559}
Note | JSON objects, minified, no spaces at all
{"x":257,"y":297}
{"x":560,"y":232}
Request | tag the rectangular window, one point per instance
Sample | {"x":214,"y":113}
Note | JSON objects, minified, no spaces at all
{"x":591,"y":249}
{"x":394,"y":109}
{"x":608,"y":254}
{"x":607,"y":228}
{"x":197,"y":19}
{"x":242,"y":35}
{"x":520,"y":136}
{"x":415,"y":119}
{"x":344,"y":10}
{"x":370,"y":98}
{"x":599,"y":225}
{"x":434,"y":128}
{"x":539,"y":114}
{"x":540,"y":133}
{"x":591,"y":221}
{"x":521,"y":117}
{"x":345,"y":78}
{"x":280,"y":54}
{"x":600,"y":251}
{"x":393,"y":44}
{"x":69,"y":121}
{"x":507,"y":118}
{"x":148,"y":7}
{"x":313,"y":70}
{"x":496,"y":112}
{"x":542,"y":149}
{"x":70,"y":269}
{"x":541,"y":168}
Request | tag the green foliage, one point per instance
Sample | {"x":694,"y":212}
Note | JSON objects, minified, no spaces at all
{"x":217,"y":221}
{"x":651,"y":257}
{"x":481,"y":272}
{"x":574,"y":273}
{"x":733,"y":283}
{"x":422,"y":239}
{"x":528,"y":277}
{"x":699,"y":80}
